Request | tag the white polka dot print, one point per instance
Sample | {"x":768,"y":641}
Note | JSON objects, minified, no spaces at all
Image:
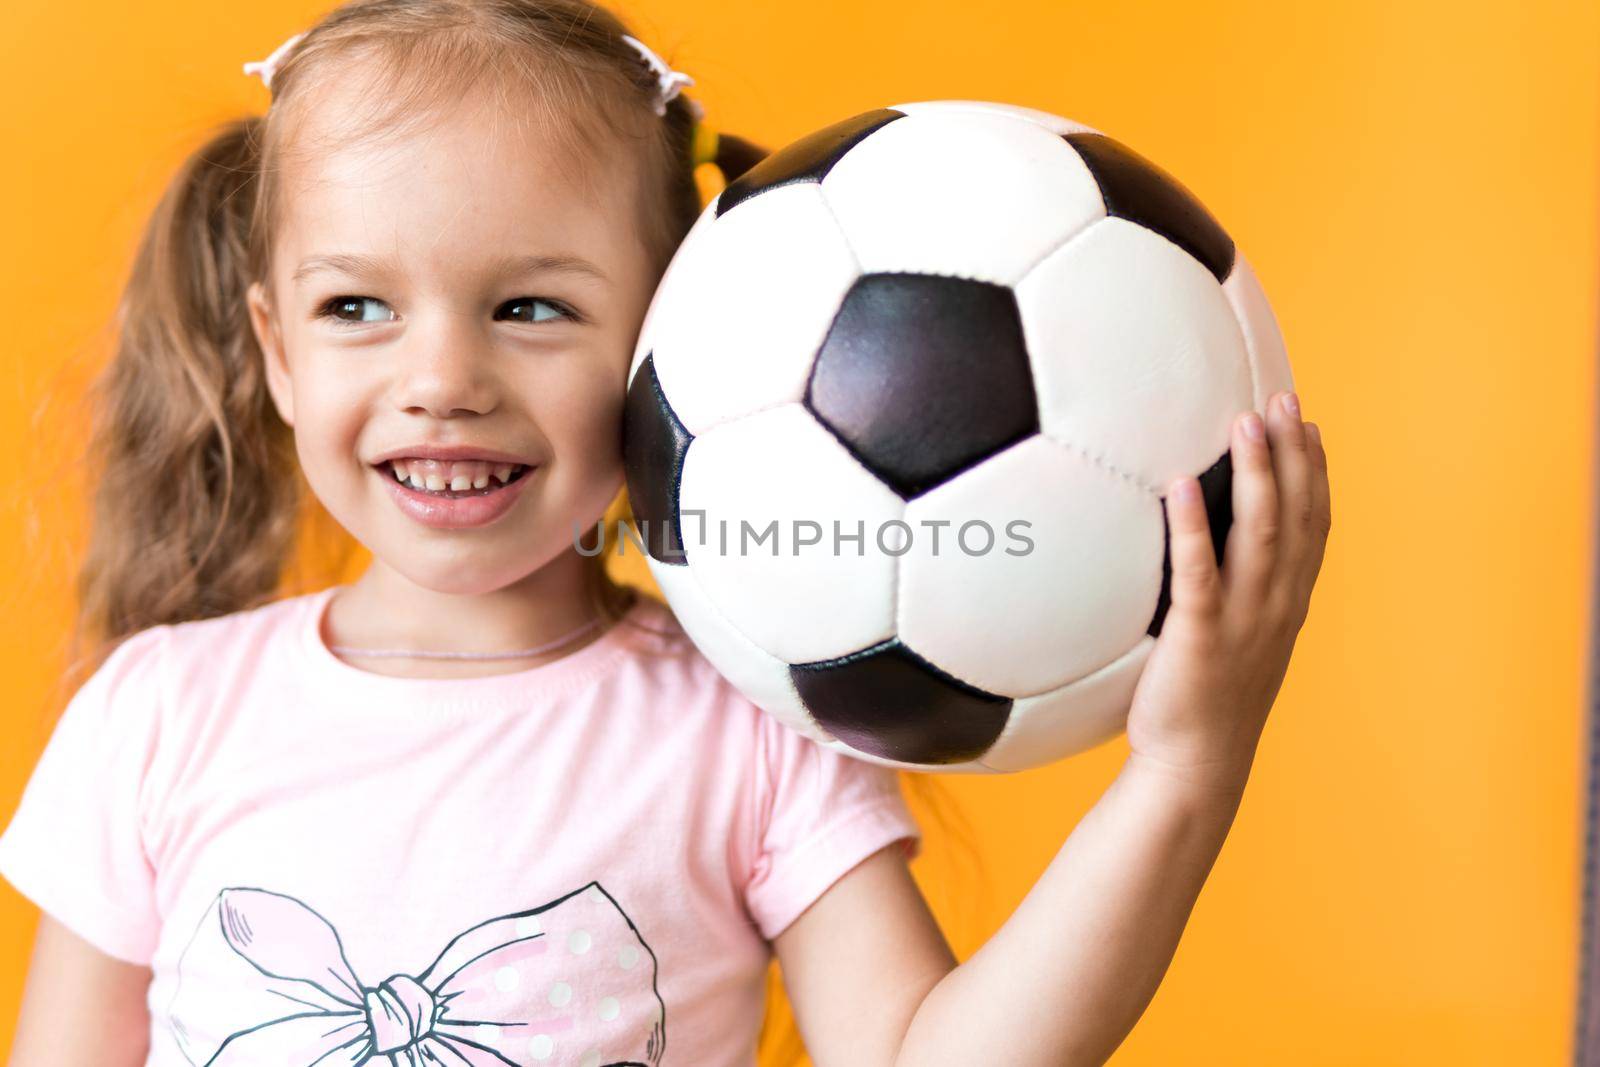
{"x":506,"y":979}
{"x":528,"y":926}
{"x":590,"y":1058}
{"x":627,"y":957}
{"x":608,"y":1009}
{"x":541,"y":1047}
{"x":560,"y":994}
{"x":579,"y":941}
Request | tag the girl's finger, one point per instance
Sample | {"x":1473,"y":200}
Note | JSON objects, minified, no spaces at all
{"x":1252,"y":551}
{"x":1319,"y":464}
{"x":1292,"y":466}
{"x":1321,"y":506}
{"x":1196,"y":580}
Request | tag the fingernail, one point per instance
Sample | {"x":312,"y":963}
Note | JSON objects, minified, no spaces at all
{"x":1291,"y":404}
{"x":1253,"y":427}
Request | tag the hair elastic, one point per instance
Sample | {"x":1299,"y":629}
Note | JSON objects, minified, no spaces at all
{"x":669,"y":82}
{"x":265,"y":68}
{"x":704,"y":149}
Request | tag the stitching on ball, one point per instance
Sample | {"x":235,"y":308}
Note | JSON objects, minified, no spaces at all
{"x":838,"y":226}
{"x":1110,"y":468}
{"x":1058,"y":246}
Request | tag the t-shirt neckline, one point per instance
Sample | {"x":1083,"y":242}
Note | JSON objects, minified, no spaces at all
{"x":515,"y":688}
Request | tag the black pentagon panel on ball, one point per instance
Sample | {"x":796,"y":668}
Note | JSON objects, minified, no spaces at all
{"x":806,"y":160}
{"x":654,"y":443}
{"x":1216,"y":489}
{"x":921,"y":376}
{"x":1135,"y":189}
{"x":889,"y":702}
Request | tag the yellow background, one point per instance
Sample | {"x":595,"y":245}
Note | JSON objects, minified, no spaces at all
{"x":1416,"y":185}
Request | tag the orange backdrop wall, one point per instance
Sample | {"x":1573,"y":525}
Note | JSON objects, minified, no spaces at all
{"x":1416,"y":184}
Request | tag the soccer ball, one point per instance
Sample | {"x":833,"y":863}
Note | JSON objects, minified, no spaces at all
{"x":900,"y":419}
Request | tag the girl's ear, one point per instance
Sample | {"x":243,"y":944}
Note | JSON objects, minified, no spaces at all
{"x":270,"y":340}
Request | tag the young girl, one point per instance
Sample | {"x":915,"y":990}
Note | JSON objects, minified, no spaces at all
{"x":481,"y":806}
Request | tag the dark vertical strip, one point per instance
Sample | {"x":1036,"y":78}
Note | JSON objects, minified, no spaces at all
{"x":1586,"y":1043}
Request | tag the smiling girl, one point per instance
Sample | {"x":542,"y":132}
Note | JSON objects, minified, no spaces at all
{"x":482,"y":805}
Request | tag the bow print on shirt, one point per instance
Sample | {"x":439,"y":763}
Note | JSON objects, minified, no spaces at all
{"x":264,"y":981}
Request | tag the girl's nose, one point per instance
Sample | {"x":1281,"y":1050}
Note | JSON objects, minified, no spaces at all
{"x":446,"y":371}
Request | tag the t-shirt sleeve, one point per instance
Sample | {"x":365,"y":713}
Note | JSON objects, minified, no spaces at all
{"x":75,"y":846}
{"x":819,"y":814}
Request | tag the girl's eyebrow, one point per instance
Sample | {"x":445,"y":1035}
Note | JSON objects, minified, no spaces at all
{"x":550,"y":264}
{"x":343,"y":263}
{"x":514,"y":265}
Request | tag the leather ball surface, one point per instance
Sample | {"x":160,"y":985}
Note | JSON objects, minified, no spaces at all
{"x":900,"y":418}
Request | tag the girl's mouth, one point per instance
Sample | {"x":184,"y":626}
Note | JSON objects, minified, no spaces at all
{"x":453,"y":494}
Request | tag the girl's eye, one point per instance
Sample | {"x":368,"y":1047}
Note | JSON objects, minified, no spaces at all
{"x":356,"y":309}
{"x":533,"y":309}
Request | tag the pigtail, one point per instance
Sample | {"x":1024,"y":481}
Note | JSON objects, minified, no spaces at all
{"x":197,"y":488}
{"x":735,"y":155}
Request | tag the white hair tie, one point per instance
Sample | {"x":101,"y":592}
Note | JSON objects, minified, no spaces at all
{"x":265,"y":68}
{"x":669,"y":82}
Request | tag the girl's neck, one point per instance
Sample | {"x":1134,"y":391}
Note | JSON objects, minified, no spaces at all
{"x":385,"y":610}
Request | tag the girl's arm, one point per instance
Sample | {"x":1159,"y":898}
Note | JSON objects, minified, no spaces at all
{"x":859,"y":963}
{"x":80,"y":1007}
{"x":1069,"y":973}
{"x":874,"y":983}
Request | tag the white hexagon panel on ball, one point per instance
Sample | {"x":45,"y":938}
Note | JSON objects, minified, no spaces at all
{"x":778,"y":471}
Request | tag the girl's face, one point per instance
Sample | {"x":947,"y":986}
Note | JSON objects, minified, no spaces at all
{"x":451,"y":289}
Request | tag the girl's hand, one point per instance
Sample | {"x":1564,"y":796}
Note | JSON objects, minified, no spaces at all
{"x":1203,"y":698}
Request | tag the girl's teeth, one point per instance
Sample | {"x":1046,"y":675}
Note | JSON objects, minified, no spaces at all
{"x":458,"y":477}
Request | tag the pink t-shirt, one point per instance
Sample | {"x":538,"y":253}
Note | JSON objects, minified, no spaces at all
{"x":577,"y":864}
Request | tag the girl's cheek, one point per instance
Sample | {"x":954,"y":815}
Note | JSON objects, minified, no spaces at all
{"x":596,"y":397}
{"x":598,"y":436}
